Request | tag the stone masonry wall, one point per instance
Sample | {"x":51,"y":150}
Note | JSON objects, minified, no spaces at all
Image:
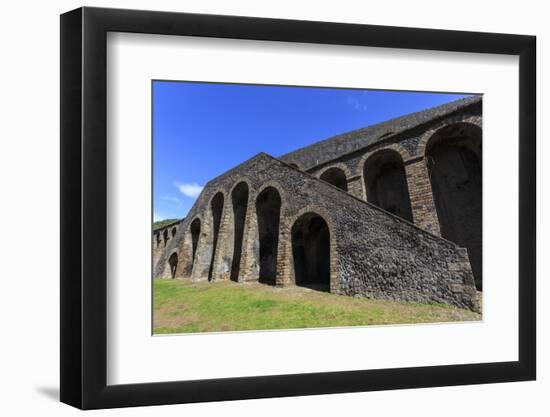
{"x":372,"y":253}
{"x":161,"y":237}
{"x":410,"y":145}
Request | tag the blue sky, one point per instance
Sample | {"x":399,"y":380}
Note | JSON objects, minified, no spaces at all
{"x":201,"y":130}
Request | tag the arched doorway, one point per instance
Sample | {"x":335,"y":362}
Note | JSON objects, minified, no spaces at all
{"x":311,"y":252}
{"x":173,"y":263}
{"x":217,"y":209}
{"x":268,"y":209}
{"x":453,"y":156}
{"x":336,"y":177}
{"x":239,"y":198}
{"x":195,"y":234}
{"x":386,"y":183}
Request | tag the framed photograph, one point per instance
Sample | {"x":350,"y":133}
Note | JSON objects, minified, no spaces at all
{"x":258,"y":208}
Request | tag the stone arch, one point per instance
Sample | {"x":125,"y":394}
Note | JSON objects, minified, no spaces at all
{"x":216,"y":211}
{"x":311,"y":251}
{"x":173,"y":232}
{"x":453,"y":157}
{"x":426,"y":137}
{"x":173,"y":264}
{"x":195,"y":231}
{"x":268,"y":213}
{"x":165,"y":237}
{"x":337,"y":175}
{"x":239,"y":199}
{"x":385,"y":182}
{"x":396,"y":147}
{"x":290,"y":255}
{"x":205,"y":253}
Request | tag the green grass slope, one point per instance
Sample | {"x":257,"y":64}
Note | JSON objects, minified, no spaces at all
{"x":181,"y":306}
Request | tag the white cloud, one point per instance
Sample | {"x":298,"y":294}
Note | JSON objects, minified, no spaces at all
{"x":192,"y":189}
{"x":356,"y":104}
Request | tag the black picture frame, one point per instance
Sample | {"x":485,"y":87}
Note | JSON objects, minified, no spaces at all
{"x":84,"y":207}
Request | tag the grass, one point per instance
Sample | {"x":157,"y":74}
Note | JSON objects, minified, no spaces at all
{"x":161,"y":223}
{"x":181,"y":306}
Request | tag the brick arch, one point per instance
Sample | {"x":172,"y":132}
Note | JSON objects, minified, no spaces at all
{"x":190,"y":249}
{"x":173,"y":263}
{"x":428,"y":134}
{"x":268,"y":265}
{"x":195,"y":217}
{"x":238,"y":220}
{"x":340,"y":165}
{"x":395,"y":147}
{"x":218,"y":232}
{"x":199,"y":268}
{"x":453,"y":158}
{"x":396,"y":197}
{"x":213,"y":194}
{"x":237,"y":180}
{"x":336,"y":177}
{"x":204,"y":258}
{"x":278,"y":186}
{"x":167,"y":271}
{"x":287,"y":261}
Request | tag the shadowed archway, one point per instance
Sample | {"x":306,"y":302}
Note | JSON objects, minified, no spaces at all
{"x":173,"y":263}
{"x":217,"y":210}
{"x":386,"y":183}
{"x":453,"y":156}
{"x":195,"y":234}
{"x":336,"y":177}
{"x":268,"y":209}
{"x":311,"y":252}
{"x":239,"y":199}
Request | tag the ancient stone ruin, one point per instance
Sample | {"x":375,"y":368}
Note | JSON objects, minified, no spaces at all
{"x":390,"y":211}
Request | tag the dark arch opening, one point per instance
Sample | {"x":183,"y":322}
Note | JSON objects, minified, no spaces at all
{"x":454,"y":164}
{"x":386,"y":183}
{"x":165,"y":235}
{"x":173,"y":262}
{"x":195,"y":233}
{"x":268,"y":209}
{"x":311,"y":252}
{"x":157,"y":238}
{"x":239,"y":198}
{"x":217,"y":209}
{"x":173,"y":231}
{"x":336,"y":177}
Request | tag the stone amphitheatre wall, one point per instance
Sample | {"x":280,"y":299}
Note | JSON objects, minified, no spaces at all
{"x":458,"y":218}
{"x":410,"y":145}
{"x":372,"y":252}
{"x":161,"y":237}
